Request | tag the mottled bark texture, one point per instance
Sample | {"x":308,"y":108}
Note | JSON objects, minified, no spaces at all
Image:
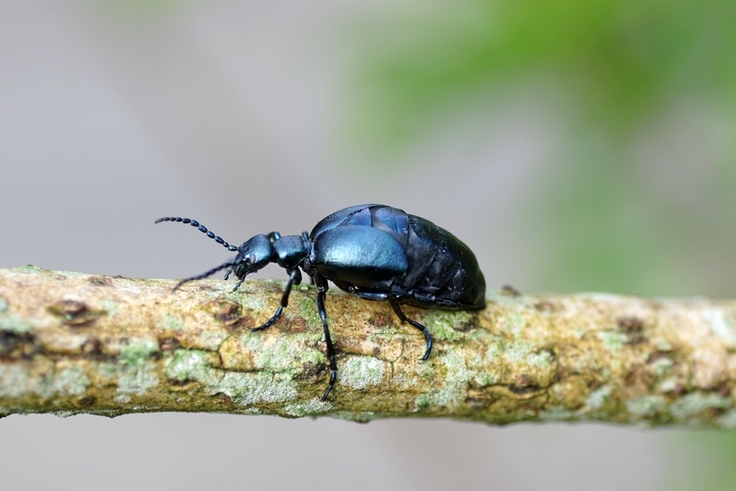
{"x":74,"y":343}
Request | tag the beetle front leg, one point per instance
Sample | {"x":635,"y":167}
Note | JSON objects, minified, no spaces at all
{"x":404,"y":318}
{"x":295,"y":276}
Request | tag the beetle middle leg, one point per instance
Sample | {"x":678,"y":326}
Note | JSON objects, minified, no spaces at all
{"x":404,"y":318}
{"x":295,"y":277}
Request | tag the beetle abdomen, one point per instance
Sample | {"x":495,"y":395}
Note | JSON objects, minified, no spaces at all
{"x":442,"y":271}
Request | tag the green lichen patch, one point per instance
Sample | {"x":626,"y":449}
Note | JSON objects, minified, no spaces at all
{"x":692,"y":405}
{"x":361,"y":372}
{"x":15,"y":381}
{"x":612,"y":340}
{"x":251,"y":388}
{"x":598,"y":398}
{"x":558,"y":413}
{"x":242,"y":388}
{"x":3,"y":304}
{"x":721,"y":325}
{"x":71,"y":381}
{"x":137,"y":370}
{"x":312,"y":407}
{"x":661,"y":366}
{"x":19,"y":379}
{"x":110,"y":306}
{"x":138,"y":351}
{"x":172,"y":322}
{"x":308,"y":309}
{"x":454,"y":389}
{"x":272,"y":351}
{"x":192,"y":365}
{"x":136,"y":380}
{"x":447,"y":325}
{"x":30,"y":269}
{"x":14,"y":324}
{"x":509,"y":301}
{"x":727,"y":420}
{"x":646,"y":406}
{"x":536,"y":365}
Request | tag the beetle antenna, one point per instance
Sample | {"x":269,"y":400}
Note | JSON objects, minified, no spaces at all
{"x":212,"y":271}
{"x":201,"y":228}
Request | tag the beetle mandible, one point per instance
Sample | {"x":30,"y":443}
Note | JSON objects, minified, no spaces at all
{"x":373,"y":251}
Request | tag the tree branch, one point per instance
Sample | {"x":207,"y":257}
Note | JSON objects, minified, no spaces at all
{"x":73,"y":343}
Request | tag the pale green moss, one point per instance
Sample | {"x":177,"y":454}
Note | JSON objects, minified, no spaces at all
{"x":360,"y":372}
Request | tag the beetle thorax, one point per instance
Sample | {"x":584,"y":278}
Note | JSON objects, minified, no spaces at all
{"x":290,"y":250}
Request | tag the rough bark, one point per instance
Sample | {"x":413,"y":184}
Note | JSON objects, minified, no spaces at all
{"x":74,"y":343}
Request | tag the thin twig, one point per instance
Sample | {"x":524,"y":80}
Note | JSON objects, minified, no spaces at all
{"x":74,"y":343}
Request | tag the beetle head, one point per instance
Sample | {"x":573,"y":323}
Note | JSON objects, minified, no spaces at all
{"x":253,"y":254}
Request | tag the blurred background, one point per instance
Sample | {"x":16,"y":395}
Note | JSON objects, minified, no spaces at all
{"x":574,"y":145}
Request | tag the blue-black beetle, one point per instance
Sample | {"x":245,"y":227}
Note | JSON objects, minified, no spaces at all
{"x":373,"y":251}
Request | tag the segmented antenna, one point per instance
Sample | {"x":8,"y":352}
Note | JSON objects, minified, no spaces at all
{"x":203,"y":229}
{"x":229,"y":264}
{"x":202,"y":276}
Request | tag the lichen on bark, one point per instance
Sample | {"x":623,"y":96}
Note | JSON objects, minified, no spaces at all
{"x":73,"y":343}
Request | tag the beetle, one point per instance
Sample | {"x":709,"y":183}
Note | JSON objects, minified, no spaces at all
{"x":373,"y":251}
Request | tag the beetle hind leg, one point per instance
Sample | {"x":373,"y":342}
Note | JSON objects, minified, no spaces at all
{"x":322,"y":286}
{"x":404,"y":318}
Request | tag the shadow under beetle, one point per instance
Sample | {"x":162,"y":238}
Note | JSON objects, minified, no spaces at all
{"x":373,"y":251}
